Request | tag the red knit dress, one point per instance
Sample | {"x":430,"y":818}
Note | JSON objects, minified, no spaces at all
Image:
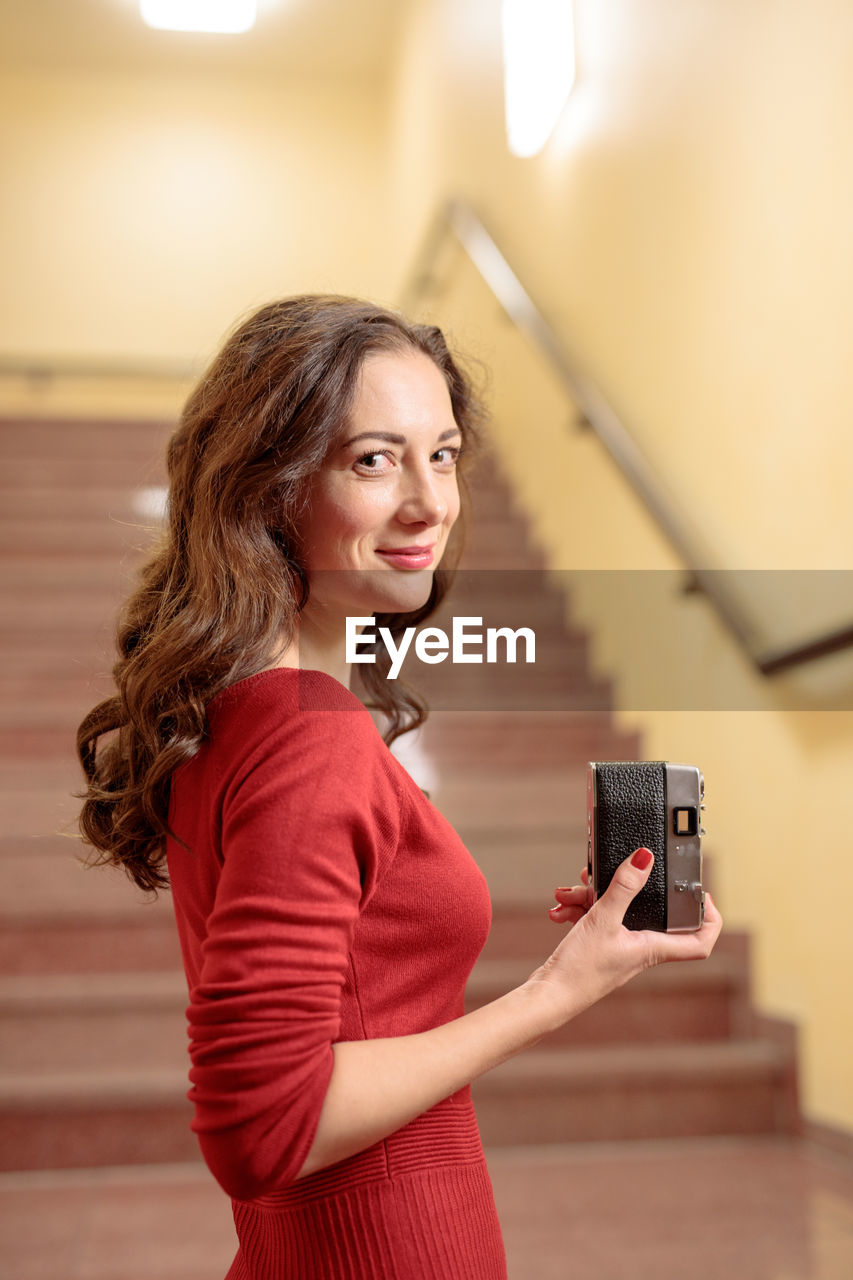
{"x":321,"y":897}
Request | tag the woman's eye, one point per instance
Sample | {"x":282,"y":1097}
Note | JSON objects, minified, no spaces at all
{"x":373,"y":461}
{"x":447,"y":455}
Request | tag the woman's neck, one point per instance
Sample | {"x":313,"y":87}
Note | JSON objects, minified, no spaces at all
{"x":317,"y":647}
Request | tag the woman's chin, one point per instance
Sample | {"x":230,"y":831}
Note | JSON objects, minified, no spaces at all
{"x":362,"y":592}
{"x":401,"y":591}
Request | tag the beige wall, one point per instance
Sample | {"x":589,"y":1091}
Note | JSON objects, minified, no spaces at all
{"x":687,"y":232}
{"x":144,"y":214}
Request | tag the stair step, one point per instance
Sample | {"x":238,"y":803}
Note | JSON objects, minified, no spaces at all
{"x":524,"y":864}
{"x":44,"y":878}
{"x":143,"y":470}
{"x":104,"y":535}
{"x":672,"y":1003}
{"x":506,"y":688}
{"x":120,"y":502}
{"x":479,"y":558}
{"x":79,"y":472}
{"x":522,"y":930}
{"x":62,"y":712}
{"x":544,"y":1096}
{"x":108,"y":1117}
{"x":70,"y":1025}
{"x":46,"y":574}
{"x":79,"y":437}
{"x":641,"y":1091}
{"x":29,"y":611}
{"x":486,"y":739}
{"x":170,"y":1222}
{"x":509,"y":797}
{"x":140,"y":942}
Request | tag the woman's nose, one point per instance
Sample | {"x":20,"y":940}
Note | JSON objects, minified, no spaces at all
{"x":425,"y":499}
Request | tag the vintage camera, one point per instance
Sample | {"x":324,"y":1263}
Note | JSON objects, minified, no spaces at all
{"x":631,"y":803}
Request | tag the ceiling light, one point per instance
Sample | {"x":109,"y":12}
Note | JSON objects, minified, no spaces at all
{"x":230,"y":16}
{"x":539,"y":69}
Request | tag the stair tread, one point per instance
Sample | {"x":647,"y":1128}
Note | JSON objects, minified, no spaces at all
{"x":662,"y":1065}
{"x":104,"y":1088}
{"x":37,"y":993}
{"x":709,"y":1060}
{"x":716,"y":970}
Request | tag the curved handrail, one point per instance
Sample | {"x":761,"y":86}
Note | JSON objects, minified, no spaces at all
{"x":458,"y":220}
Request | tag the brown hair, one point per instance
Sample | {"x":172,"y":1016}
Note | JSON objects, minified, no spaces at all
{"x":224,"y":584}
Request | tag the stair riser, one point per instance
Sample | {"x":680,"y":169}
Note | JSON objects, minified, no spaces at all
{"x":97,"y":471}
{"x":643,"y":1018}
{"x":105,"y":537}
{"x":520,"y":931}
{"x":111,"y":947}
{"x":62,"y":1138}
{"x":49,"y":527}
{"x":50,"y":742}
{"x":76,"y":1041}
{"x":631,"y":1112}
{"x":74,"y":437}
{"x":73,"y":1037}
{"x":66,"y":1136}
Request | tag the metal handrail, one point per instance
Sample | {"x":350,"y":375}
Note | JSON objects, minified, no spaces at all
{"x":457,"y":220}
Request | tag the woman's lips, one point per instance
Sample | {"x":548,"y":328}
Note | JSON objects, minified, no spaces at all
{"x":409,"y":557}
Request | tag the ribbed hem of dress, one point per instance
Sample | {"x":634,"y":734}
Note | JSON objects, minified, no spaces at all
{"x":438,"y":1223}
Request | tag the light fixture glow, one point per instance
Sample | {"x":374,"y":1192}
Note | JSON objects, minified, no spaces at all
{"x":227,"y":16}
{"x":539,"y":69}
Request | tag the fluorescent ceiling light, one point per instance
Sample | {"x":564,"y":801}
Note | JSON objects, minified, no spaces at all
{"x":539,"y":69}
{"x":230,"y":16}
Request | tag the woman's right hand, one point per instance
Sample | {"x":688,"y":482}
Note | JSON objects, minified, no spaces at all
{"x":599,"y":954}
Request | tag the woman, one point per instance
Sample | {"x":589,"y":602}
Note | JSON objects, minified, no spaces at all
{"x":329,"y":916}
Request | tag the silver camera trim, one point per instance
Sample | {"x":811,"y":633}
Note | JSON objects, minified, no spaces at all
{"x":685,"y":897}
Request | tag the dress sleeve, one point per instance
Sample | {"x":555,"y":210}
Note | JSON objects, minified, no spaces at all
{"x":308,"y":821}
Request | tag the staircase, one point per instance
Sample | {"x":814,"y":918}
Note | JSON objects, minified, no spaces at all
{"x":93,"y":1057}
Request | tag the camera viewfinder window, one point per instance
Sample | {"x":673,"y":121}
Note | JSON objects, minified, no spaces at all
{"x":685,"y":822}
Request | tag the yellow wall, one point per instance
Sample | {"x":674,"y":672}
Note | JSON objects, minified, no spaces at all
{"x":687,"y":232}
{"x":143,"y":214}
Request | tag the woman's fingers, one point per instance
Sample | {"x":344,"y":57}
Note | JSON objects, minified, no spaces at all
{"x":690,"y":946}
{"x":628,"y":879}
{"x":575,"y":893}
{"x":567,"y":915}
{"x":572,"y":903}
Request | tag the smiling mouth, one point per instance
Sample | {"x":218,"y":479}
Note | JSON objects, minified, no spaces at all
{"x":409,"y":557}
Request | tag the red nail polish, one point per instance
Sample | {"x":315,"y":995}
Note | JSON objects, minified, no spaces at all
{"x":641,"y":859}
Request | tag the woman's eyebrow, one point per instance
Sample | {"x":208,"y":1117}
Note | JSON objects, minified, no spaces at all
{"x":390,"y":438}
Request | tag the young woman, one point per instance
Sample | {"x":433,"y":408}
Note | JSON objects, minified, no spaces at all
{"x":328,"y":915}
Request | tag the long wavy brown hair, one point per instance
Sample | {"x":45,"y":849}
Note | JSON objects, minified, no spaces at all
{"x":220,"y":594}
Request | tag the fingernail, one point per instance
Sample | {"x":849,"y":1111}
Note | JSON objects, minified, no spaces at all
{"x":553,"y":910}
{"x":641,"y":859}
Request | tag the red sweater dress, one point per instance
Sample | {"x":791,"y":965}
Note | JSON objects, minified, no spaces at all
{"x":321,"y":897}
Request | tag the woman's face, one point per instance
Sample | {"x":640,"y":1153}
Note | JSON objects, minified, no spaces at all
{"x":383,"y":504}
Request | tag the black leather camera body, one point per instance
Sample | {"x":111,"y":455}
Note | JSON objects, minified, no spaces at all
{"x":651,"y":803}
